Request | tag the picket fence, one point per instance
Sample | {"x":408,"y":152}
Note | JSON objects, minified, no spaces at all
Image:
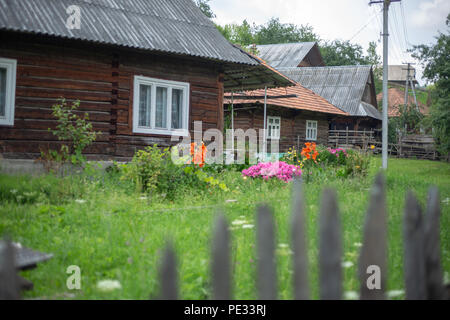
{"x":423,"y":274}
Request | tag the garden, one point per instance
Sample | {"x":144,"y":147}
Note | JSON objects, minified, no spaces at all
{"x":114,"y":222}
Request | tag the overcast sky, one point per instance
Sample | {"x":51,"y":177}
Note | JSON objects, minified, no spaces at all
{"x":347,"y":19}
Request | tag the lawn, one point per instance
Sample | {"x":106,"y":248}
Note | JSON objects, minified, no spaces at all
{"x":111,"y":232}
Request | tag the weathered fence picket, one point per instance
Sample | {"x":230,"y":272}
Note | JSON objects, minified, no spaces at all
{"x":168,"y":274}
{"x":423,"y":273}
{"x":374,"y":245}
{"x":434,"y":274}
{"x":330,"y":249}
{"x":267,"y":276}
{"x":414,"y":254}
{"x":221,"y":263}
{"x":298,"y":238}
{"x":9,"y":280}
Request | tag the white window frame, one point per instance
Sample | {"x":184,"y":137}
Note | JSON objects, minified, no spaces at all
{"x":311,"y":133}
{"x":272,"y":136}
{"x":153,"y":82}
{"x":10,"y":65}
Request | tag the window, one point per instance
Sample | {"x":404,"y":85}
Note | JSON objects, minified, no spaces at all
{"x":160,"y":106}
{"x":273,"y":127}
{"x":7,"y":90}
{"x":311,"y":130}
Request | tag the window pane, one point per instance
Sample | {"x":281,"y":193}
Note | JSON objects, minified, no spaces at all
{"x":144,"y":105}
{"x":2,"y":92}
{"x":161,"y":108}
{"x":177,"y":109}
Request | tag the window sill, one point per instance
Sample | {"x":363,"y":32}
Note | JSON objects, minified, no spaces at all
{"x":162,"y":132}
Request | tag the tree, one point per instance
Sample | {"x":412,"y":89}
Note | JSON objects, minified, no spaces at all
{"x":276,"y":32}
{"x":345,"y":53}
{"x":436,"y":62}
{"x":205,"y":8}
{"x":241,"y":34}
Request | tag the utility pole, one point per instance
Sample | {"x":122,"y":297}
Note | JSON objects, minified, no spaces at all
{"x":384,"y":149}
{"x":409,"y":79}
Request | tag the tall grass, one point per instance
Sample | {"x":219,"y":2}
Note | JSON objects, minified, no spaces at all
{"x":101,"y":224}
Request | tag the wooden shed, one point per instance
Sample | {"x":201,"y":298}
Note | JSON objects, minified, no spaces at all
{"x":143,"y":71}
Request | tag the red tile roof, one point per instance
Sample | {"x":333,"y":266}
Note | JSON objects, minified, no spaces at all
{"x":305,"y":99}
{"x":396,"y":98}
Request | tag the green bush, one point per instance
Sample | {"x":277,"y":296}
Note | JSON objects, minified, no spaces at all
{"x":76,"y":132}
{"x":356,"y":164}
{"x":152,"y":171}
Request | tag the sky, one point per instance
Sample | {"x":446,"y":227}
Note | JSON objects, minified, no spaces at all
{"x":411,"y":22}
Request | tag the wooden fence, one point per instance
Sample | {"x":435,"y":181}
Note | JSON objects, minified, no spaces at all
{"x":351,"y":138}
{"x":421,"y":234}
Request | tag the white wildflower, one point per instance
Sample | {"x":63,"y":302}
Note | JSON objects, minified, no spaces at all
{"x":351,"y":295}
{"x":143,"y":198}
{"x":18,"y":245}
{"x":283,"y":245}
{"x":108,"y":285}
{"x":230,"y":200}
{"x":395,"y":293}
{"x":247,"y":226}
{"x":347,"y":264}
{"x":238,"y":222}
{"x":358,"y":244}
{"x":80,"y":201}
{"x":13,"y":191}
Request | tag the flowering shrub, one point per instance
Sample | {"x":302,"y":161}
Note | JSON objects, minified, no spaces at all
{"x":266,"y":170}
{"x":292,"y":156}
{"x":198,"y":154}
{"x":309,"y":154}
{"x":338,"y":156}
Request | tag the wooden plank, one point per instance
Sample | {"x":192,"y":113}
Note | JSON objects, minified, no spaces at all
{"x":414,"y":255}
{"x":221,"y":264}
{"x":266,"y":281}
{"x":330,"y":248}
{"x":9,"y":281}
{"x":434,"y":276}
{"x":299,"y":245}
{"x":374,"y":249}
{"x":168,"y":275}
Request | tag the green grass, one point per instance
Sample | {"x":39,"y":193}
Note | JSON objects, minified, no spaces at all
{"x":117,"y":235}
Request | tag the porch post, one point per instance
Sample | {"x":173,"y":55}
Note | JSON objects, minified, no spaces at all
{"x":265,"y":124}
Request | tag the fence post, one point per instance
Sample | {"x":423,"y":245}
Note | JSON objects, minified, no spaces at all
{"x":9,"y":280}
{"x":374,"y":248}
{"x":168,"y":274}
{"x":267,"y":282}
{"x":434,"y":278}
{"x":221,"y":266}
{"x":298,"y":236}
{"x":330,"y":250}
{"x":346,"y":135}
{"x":414,"y":261}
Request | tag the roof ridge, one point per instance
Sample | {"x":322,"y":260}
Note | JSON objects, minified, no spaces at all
{"x":99,"y":5}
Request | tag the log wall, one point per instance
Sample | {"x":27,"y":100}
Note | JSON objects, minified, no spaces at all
{"x":293,"y":124}
{"x":101,"y":77}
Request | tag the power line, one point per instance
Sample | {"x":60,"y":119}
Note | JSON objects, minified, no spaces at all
{"x":363,"y":27}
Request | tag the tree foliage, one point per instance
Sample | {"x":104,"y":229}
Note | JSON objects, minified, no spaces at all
{"x":334,"y":53}
{"x":205,"y":8}
{"x":436,"y":62}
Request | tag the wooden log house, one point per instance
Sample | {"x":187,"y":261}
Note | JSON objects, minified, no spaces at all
{"x":142,"y":70}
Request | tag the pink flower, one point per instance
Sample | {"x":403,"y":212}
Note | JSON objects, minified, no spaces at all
{"x":266,"y":170}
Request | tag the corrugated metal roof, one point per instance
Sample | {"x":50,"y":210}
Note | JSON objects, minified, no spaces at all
{"x":285,"y":55}
{"x":175,"y":26}
{"x":342,"y":86}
